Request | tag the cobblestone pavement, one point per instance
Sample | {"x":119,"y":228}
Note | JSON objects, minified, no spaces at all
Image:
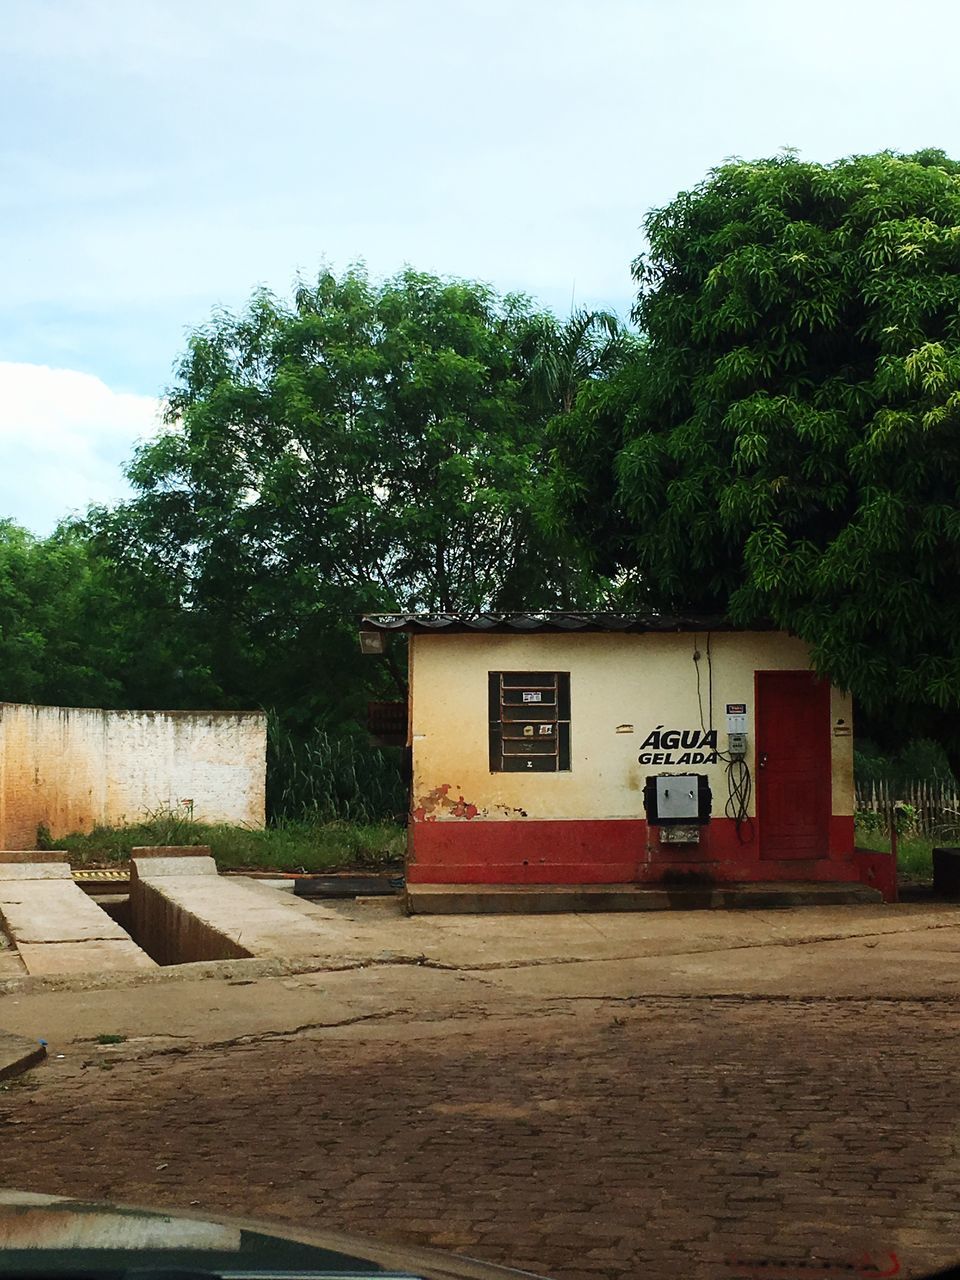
{"x":658,"y":1137}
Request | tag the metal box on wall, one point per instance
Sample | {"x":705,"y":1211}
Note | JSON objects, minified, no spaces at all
{"x":674,"y":799}
{"x":677,"y":797}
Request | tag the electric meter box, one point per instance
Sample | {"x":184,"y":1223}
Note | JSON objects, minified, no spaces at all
{"x":736,"y":717}
{"x":675,"y":799}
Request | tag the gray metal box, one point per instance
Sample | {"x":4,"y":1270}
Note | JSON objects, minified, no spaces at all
{"x":678,"y":797}
{"x":737,"y":744}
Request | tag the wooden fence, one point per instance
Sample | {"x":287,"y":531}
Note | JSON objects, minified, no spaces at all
{"x":935,"y":804}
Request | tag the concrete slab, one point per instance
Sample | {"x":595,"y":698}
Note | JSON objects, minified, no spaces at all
{"x":419,"y":971}
{"x":35,"y":870}
{"x":195,"y":1010}
{"x":349,"y":931}
{"x":865,"y":969}
{"x":18,"y":1054}
{"x":152,"y":867}
{"x":57,"y":928}
{"x":11,"y":966}
{"x":33,"y":855}
{"x":198,"y":915}
{"x":53,"y":911}
{"x":474,"y":899}
{"x":263,"y":926}
{"x":103,"y":955}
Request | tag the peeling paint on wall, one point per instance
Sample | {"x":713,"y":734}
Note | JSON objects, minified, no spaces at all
{"x":438,"y":803}
{"x":70,"y":769}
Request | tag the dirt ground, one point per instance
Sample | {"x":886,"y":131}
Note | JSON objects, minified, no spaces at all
{"x":712,"y":1094}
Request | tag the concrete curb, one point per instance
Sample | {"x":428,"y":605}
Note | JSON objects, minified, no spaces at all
{"x":18,"y":1054}
{"x":530,"y":899}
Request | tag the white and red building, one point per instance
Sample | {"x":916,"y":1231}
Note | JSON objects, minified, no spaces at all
{"x":533,"y":739}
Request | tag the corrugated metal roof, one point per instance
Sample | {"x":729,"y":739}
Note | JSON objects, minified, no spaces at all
{"x":519,"y":623}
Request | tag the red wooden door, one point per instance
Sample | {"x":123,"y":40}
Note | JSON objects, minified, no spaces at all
{"x":793,"y":764}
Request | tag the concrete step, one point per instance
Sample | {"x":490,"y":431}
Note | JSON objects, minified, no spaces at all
{"x":478,"y":899}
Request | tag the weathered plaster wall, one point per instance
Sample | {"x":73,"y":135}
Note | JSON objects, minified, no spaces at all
{"x":616,"y":681}
{"x":69,"y":769}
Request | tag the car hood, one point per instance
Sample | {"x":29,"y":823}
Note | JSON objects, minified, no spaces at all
{"x":57,"y":1236}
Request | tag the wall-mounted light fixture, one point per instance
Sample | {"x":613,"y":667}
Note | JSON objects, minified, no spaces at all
{"x":373,"y":642}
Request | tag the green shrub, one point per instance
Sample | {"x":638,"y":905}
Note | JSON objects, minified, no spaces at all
{"x":879,"y":821}
{"x":287,"y":846}
{"x":914,"y":852}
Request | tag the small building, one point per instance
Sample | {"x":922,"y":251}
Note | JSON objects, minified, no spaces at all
{"x":597,"y":750}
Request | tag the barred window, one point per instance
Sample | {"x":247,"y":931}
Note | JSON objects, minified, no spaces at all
{"x":529,"y":721}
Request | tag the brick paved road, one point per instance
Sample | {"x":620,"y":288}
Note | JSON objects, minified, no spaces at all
{"x":619,"y":1140}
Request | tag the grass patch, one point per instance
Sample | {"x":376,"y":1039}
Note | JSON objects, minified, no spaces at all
{"x":914,"y":853}
{"x":288,"y":846}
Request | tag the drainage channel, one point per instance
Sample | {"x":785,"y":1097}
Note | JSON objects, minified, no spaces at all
{"x":167,"y":933}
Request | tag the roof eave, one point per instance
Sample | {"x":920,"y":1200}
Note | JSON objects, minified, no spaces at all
{"x":556,"y":623}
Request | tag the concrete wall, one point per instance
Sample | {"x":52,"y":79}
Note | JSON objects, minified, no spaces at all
{"x":70,"y":769}
{"x":165,"y":921}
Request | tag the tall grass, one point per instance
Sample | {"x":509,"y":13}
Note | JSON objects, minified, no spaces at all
{"x":914,"y":852}
{"x":327,"y":777}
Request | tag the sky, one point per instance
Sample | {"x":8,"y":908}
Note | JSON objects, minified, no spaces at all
{"x":161,"y":158}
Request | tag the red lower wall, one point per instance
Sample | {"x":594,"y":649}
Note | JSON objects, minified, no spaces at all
{"x":617,"y":851}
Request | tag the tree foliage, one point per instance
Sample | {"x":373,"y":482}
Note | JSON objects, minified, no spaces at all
{"x":373,"y":437}
{"x":367,"y":446}
{"x":563,"y":356}
{"x":76,"y":629}
{"x":786,"y":444}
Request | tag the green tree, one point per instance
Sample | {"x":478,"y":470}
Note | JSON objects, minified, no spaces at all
{"x":367,"y":446}
{"x":786,"y":443}
{"x":76,"y":631}
{"x":562,"y":356}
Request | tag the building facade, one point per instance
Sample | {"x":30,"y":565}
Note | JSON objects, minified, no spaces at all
{"x":537,"y":744}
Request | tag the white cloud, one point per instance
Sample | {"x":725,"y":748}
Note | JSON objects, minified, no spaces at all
{"x":64,"y":436}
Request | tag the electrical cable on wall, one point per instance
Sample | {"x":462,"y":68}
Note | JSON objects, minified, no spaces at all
{"x":739,"y":779}
{"x":709,"y":682}
{"x":699,"y":695}
{"x":739,"y":790}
